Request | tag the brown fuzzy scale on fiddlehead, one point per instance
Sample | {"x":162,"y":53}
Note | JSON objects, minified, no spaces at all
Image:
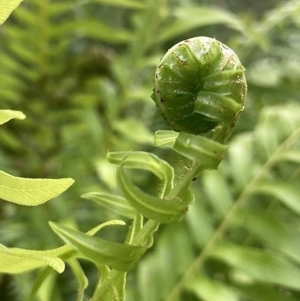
{"x":200,"y":88}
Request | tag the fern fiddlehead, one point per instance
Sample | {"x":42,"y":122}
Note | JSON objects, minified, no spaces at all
{"x":200,"y":88}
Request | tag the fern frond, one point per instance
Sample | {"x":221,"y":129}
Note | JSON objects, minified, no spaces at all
{"x":244,"y":224}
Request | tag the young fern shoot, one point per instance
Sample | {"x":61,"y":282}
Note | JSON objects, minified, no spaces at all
{"x":200,"y":88}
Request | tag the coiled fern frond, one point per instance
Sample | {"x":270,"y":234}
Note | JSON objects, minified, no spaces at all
{"x":200,"y":87}
{"x":203,"y":151}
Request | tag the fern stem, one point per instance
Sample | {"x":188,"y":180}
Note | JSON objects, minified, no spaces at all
{"x":103,"y":287}
{"x":198,"y":262}
{"x":142,"y":239}
{"x":144,"y":236}
{"x":186,"y":181}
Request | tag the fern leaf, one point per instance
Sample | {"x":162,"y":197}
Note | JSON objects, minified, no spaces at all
{"x":31,"y":192}
{"x":6,"y":8}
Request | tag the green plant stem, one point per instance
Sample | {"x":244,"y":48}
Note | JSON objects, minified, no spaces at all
{"x":144,"y":236}
{"x":185,"y":181}
{"x":141,"y":239}
{"x":103,"y":286}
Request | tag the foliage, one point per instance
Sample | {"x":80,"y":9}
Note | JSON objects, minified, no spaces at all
{"x":248,"y":221}
{"x":6,"y":7}
{"x":28,"y":192}
{"x":82,"y":73}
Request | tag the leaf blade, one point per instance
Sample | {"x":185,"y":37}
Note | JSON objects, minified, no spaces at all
{"x":6,"y":115}
{"x":287,"y":192}
{"x":6,"y":8}
{"x":260,"y":264}
{"x":211,"y":290}
{"x":14,"y":261}
{"x":161,"y":210}
{"x":119,"y":256}
{"x":31,"y":192}
{"x":188,"y":18}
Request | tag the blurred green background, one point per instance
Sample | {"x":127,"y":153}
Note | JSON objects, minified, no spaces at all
{"x":82,"y":73}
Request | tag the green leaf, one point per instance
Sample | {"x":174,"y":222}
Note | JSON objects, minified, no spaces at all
{"x":95,"y":29}
{"x":197,"y":148}
{"x":27,"y":18}
{"x":276,"y":124}
{"x":112,"y":202}
{"x":106,"y":172}
{"x":31,"y":192}
{"x":263,"y":292}
{"x":274,"y":232}
{"x":290,"y":155}
{"x":260,"y":264}
{"x":6,"y":8}
{"x":57,"y":8}
{"x":163,"y":267}
{"x":11,"y":82}
{"x":121,"y":257}
{"x":24,"y":54}
{"x":6,"y":115}
{"x":199,"y":217}
{"x":190,"y":17}
{"x":10,"y":95}
{"x":161,"y":210}
{"x":134,"y":130}
{"x":44,"y":291}
{"x":287,"y":192}
{"x":39,"y":282}
{"x":121,"y":3}
{"x":217,"y":107}
{"x":103,"y":32}
{"x":143,"y":160}
{"x":165,"y":138}
{"x":80,"y":276}
{"x":241,"y":160}
{"x":14,"y":260}
{"x":217,"y":191}
{"x":116,"y":288}
{"x":66,"y":252}
{"x":210,"y":290}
